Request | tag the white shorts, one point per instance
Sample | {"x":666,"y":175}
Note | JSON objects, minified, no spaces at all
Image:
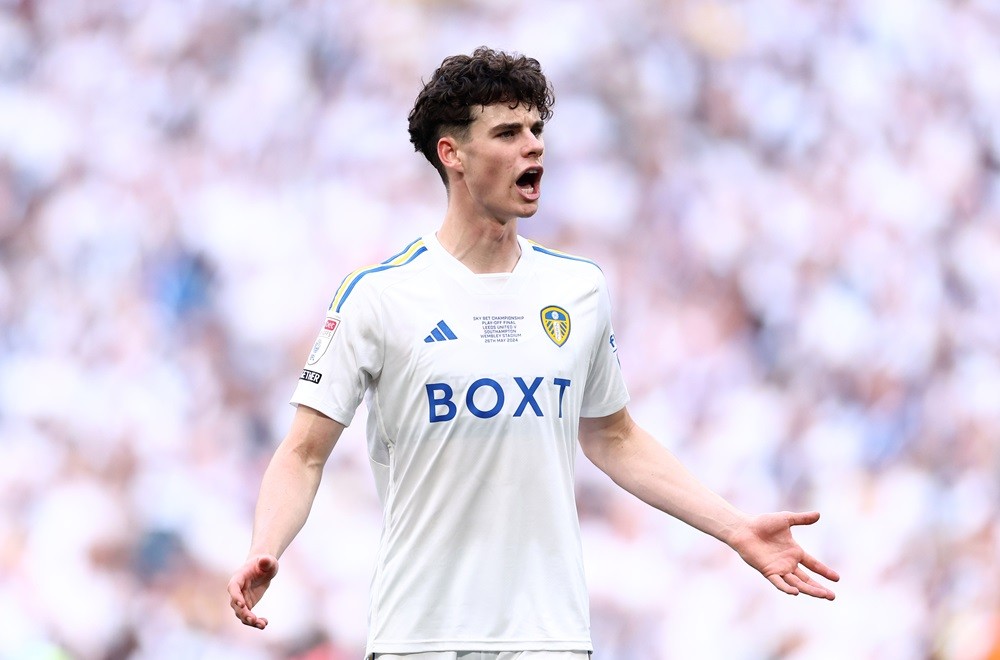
{"x":486,"y":655}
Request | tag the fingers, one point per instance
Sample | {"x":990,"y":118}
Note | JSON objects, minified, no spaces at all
{"x":791,"y":576}
{"x":245,"y":614}
{"x":803,"y":518}
{"x":248,"y":618}
{"x":808,"y":561}
{"x":245,"y":589}
{"x":779,"y":582}
{"x":807,"y":585}
{"x":799,"y":582}
{"x":819,"y":568}
{"x":238,"y":601}
{"x":253,"y":621}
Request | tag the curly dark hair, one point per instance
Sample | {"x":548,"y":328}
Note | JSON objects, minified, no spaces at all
{"x":486,"y":77}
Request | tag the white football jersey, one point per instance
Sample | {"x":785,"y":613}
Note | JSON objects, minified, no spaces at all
{"x":475,"y":385}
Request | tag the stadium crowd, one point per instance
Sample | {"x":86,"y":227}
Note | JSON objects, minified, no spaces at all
{"x":797,"y":205}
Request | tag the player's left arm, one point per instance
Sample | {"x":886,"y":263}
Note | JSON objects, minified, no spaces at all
{"x":642,"y":466}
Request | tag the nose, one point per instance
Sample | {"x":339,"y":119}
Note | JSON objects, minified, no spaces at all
{"x":534,"y":146}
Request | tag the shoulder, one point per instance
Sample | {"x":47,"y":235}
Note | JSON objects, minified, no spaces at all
{"x":371,"y":279}
{"x":570,"y":264}
{"x":560,"y":257}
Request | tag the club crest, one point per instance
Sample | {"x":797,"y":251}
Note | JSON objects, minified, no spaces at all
{"x":555,"y":321}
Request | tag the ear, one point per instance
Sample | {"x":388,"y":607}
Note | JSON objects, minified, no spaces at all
{"x":448,"y":154}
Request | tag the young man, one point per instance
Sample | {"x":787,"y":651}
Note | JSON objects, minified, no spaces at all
{"x":485,"y":358}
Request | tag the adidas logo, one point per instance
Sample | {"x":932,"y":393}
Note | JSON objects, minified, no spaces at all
{"x":440,"y":333}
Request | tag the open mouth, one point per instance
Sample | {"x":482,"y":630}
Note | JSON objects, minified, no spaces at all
{"x":528,"y":182}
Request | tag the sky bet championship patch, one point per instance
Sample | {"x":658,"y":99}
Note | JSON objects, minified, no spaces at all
{"x":555,"y":320}
{"x":323,"y":340}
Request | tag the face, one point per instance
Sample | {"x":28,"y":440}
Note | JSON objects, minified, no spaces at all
{"x":501,"y":161}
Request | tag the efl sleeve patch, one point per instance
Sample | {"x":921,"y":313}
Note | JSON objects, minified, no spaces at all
{"x":322,"y":343}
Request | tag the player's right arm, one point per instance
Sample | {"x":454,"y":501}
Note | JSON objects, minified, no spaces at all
{"x":286,"y":495}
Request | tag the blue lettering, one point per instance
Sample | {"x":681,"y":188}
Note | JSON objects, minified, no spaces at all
{"x":435,"y":402}
{"x":563,"y":383}
{"x":529,"y":396}
{"x":443,"y":408}
{"x":470,"y":398}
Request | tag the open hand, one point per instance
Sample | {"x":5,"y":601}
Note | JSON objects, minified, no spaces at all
{"x":247,"y":587}
{"x":766,"y":543}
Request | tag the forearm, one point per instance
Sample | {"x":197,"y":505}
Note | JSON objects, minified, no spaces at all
{"x":291,"y":480}
{"x":643,"y":467}
{"x":286,"y":495}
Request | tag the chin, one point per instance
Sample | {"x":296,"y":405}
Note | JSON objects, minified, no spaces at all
{"x":528,"y":212}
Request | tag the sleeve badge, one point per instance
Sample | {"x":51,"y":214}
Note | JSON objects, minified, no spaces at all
{"x":322,"y":342}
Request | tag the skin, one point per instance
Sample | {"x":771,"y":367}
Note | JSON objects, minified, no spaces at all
{"x":484,"y":202}
{"x":480,"y":230}
{"x":642,"y":466}
{"x":287,"y":491}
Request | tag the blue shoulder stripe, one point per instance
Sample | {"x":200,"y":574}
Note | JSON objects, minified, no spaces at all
{"x":562,"y":255}
{"x":402,"y":252}
{"x":411,"y":252}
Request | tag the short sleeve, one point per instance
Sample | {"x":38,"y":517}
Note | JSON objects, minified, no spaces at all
{"x":345,"y":359}
{"x":605,"y":391}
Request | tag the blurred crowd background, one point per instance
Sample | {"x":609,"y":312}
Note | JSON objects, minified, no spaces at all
{"x":797,"y":205}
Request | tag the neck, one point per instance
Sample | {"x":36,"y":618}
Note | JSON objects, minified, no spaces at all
{"x":481,"y":245}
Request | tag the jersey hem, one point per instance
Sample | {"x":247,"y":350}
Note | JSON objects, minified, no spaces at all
{"x":604,"y":411}
{"x":336,"y":415}
{"x":474,"y":645}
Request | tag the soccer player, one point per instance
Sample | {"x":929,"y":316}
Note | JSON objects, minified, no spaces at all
{"x":484,"y":358}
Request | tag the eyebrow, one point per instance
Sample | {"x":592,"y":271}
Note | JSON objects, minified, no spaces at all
{"x":513,"y":126}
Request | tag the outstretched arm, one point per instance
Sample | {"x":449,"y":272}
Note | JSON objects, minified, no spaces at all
{"x":640,"y":465}
{"x":286,"y":495}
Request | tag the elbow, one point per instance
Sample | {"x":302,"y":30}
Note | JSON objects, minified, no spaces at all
{"x":590,"y":444}
{"x":588,"y":448}
{"x":308,"y":458}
